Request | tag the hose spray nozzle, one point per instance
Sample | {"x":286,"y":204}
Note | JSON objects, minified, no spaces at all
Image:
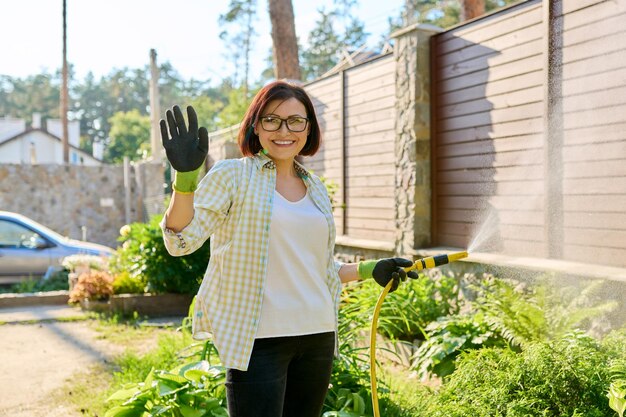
{"x":433,"y":261}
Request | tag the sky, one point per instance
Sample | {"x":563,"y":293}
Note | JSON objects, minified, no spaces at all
{"x":107,"y":34}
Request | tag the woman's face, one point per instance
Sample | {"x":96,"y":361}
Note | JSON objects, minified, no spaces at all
{"x":283,"y":144}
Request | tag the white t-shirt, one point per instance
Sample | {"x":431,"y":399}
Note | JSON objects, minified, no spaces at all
{"x":296,"y":300}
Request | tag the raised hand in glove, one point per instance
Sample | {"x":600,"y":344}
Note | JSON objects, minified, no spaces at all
{"x":186,"y":149}
{"x":385,"y":270}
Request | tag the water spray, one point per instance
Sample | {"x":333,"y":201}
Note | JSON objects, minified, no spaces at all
{"x":419,"y":265}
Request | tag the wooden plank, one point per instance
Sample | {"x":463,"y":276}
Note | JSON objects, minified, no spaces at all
{"x":596,"y":100}
{"x":370,"y":181}
{"x":371,"y":224}
{"x":595,"y":117}
{"x":355,"y":98}
{"x":516,"y":158}
{"x":385,"y":137}
{"x":381,"y":235}
{"x":592,"y":29}
{"x":382,"y":115}
{"x":370,"y":202}
{"x":584,"y":219}
{"x":488,"y":58}
{"x":610,"y":43}
{"x":593,"y":134}
{"x":595,"y":203}
{"x":487,"y":29}
{"x":529,"y":172}
{"x":370,"y":149}
{"x":502,"y":130}
{"x":488,"y":146}
{"x":372,"y":213}
{"x":595,"y":169}
{"x":355,"y":129}
{"x":323,"y":86}
{"x":605,"y":238}
{"x":595,"y":152}
{"x":594,"y":65}
{"x":511,"y":217}
{"x":599,"y":13}
{"x":370,"y":160}
{"x":595,"y":82}
{"x":494,"y":47}
{"x":367,"y":171}
{"x":501,"y":72}
{"x":372,"y":106}
{"x":596,"y":255}
{"x":381,"y":70}
{"x":536,"y":249}
{"x":498,"y":116}
{"x":497,"y":202}
{"x":590,"y":186}
{"x":486,"y":103}
{"x":493,"y":89}
{"x":514,"y":188}
{"x":454,"y":241}
{"x":591,"y":6}
{"x":372,"y":191}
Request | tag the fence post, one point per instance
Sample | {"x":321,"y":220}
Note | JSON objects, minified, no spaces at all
{"x":127,"y":186}
{"x":412,"y":138}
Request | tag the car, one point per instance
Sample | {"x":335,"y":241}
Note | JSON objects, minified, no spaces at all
{"x":28,"y":250}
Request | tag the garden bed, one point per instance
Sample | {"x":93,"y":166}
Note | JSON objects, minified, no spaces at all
{"x":152,"y":305}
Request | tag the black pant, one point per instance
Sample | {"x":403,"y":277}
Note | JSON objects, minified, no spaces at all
{"x":287,"y":376}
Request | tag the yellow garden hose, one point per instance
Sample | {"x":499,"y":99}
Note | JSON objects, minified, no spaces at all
{"x":420,"y":264}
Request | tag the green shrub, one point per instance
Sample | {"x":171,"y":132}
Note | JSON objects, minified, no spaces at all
{"x":567,"y":377}
{"x":542,"y":312}
{"x":57,"y":281}
{"x":447,"y":338}
{"x":125,"y":284}
{"x":144,"y":256}
{"x":408,"y":310}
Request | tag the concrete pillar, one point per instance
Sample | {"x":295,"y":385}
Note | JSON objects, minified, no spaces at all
{"x":412,"y":138}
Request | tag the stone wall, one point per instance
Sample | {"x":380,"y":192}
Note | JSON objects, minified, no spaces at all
{"x":68,"y":198}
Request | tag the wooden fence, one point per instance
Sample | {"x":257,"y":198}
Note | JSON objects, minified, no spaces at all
{"x":529,"y":107}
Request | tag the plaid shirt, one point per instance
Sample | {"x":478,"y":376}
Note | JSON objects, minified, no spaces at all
{"x":233,"y":205}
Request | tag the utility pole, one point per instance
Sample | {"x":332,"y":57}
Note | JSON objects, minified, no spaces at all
{"x":64,"y":98}
{"x":155,"y":109}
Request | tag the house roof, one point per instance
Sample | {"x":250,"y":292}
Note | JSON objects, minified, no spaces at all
{"x":31,"y":130}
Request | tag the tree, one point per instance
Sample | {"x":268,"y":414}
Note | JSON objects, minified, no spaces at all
{"x":285,"y":43}
{"x":443,"y":13}
{"x":129,"y":136}
{"x":243,"y":13}
{"x":335,"y":31}
{"x":471,"y":9}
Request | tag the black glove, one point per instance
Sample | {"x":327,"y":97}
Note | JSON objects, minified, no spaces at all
{"x":187,"y":149}
{"x":392,"y":268}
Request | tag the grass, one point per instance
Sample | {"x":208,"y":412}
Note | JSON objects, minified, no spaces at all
{"x":142,"y":348}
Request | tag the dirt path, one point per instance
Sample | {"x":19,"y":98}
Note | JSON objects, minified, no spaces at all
{"x":37,"y":359}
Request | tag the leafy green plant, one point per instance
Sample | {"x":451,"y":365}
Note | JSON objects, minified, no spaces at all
{"x":57,"y":281}
{"x":564,"y":377}
{"x":447,"y":338}
{"x":617,"y":389}
{"x":144,"y":256}
{"x":541,"y":312}
{"x":125,"y":284}
{"x":408,"y":310}
{"x":189,"y":390}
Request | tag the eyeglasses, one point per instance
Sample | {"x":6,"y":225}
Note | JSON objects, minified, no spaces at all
{"x":294,"y":123}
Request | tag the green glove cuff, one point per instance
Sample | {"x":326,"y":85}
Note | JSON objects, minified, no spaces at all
{"x":186,"y":182}
{"x":365,"y":268}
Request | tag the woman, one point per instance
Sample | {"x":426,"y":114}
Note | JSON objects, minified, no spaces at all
{"x":270,"y":294}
